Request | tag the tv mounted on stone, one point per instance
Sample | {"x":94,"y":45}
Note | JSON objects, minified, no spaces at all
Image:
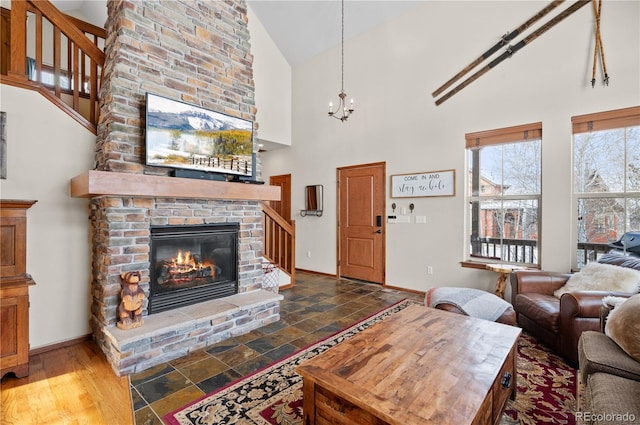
{"x":195,"y":142}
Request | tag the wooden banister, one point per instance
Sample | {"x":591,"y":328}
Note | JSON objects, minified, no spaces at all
{"x":82,"y":68}
{"x":68,"y":28}
{"x":17,"y":67}
{"x":280,"y":241}
{"x":87,"y":28}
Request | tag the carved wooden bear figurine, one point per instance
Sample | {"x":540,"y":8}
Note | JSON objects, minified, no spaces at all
{"x":132,"y":296}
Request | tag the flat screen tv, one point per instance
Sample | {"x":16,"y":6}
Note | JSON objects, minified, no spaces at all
{"x":197,"y":142}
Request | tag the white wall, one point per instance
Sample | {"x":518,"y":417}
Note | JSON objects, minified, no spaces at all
{"x":391,"y":72}
{"x":272,"y":79}
{"x":45,"y":149}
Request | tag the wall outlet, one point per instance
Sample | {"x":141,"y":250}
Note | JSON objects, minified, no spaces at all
{"x":429,"y":270}
{"x":308,"y":254}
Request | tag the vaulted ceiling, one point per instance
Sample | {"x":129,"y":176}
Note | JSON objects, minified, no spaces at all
{"x":300,"y":28}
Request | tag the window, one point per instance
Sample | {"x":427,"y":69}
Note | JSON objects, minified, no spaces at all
{"x":606,"y":179}
{"x":504,"y":190}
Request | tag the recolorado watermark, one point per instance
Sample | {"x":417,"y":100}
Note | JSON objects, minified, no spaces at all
{"x":618,"y":418}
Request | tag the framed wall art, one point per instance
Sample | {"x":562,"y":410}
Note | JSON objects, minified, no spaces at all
{"x":415,"y":185}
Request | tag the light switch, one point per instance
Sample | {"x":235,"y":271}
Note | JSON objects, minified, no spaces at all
{"x":403,"y":219}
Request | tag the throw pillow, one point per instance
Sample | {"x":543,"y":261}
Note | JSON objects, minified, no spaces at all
{"x":602,"y":277}
{"x":623,"y":326}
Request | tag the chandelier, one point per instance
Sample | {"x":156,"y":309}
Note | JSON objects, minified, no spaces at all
{"x":342,"y":109}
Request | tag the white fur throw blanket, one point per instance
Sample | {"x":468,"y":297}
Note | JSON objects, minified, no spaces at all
{"x":602,"y":277}
{"x":473,"y":302}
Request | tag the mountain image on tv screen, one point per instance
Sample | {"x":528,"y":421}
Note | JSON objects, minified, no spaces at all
{"x":179,"y":135}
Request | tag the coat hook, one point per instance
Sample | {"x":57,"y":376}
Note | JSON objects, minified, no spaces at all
{"x":411,"y":206}
{"x":393,"y":207}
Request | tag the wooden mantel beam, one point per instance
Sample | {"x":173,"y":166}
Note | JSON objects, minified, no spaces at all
{"x":109,"y":183}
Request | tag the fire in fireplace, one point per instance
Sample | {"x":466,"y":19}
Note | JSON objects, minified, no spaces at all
{"x":185,"y":270}
{"x":192,"y":264}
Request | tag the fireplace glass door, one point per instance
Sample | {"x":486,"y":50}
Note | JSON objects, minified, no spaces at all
{"x":192,"y":264}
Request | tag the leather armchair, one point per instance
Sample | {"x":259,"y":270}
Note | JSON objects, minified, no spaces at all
{"x":558,"y":323}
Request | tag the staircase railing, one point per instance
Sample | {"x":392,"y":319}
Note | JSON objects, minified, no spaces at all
{"x":280,"y":241}
{"x":71,"y":74}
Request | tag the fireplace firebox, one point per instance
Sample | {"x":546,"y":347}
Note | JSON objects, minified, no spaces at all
{"x":192,"y":264}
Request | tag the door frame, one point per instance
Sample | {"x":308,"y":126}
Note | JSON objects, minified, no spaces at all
{"x":285,"y":193}
{"x":383,"y":189}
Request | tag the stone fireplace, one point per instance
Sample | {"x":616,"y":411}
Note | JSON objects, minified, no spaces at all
{"x":123,"y":229}
{"x":191,"y":264}
{"x":196,"y":52}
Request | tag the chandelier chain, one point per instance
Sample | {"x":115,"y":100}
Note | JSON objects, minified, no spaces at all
{"x":343,"y":111}
{"x":342,"y":47}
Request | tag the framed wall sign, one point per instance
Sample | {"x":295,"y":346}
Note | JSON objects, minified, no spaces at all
{"x":433,"y":183}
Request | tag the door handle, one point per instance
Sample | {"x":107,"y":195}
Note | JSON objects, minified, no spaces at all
{"x":378,"y":231}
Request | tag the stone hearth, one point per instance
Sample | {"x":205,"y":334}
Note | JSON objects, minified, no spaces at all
{"x":176,"y":333}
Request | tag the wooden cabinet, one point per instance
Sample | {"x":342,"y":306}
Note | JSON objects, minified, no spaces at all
{"x":14,"y":319}
{"x":14,"y":288}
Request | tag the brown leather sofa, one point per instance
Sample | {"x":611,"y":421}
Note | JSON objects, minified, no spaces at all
{"x":559,"y":323}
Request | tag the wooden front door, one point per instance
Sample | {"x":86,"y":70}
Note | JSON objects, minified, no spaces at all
{"x":361,"y":225}
{"x":283,"y":206}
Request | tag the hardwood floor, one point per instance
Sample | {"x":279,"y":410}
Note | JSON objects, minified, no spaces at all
{"x":71,"y":385}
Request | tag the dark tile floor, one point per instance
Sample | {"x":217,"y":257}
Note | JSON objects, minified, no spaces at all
{"x":316,"y":307}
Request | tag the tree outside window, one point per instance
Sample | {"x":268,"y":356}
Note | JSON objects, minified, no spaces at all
{"x":606,"y":179}
{"x":504,"y":190}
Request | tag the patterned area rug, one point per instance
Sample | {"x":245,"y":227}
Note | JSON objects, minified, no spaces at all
{"x":546,"y":387}
{"x":273,"y":395}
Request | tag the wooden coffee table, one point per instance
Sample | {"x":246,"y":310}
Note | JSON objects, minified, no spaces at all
{"x":418,"y":366}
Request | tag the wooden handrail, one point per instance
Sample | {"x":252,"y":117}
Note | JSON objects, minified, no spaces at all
{"x":280,"y":221}
{"x":88,"y":28}
{"x":280,"y":241}
{"x":83,"y":67}
{"x":68,"y":28}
